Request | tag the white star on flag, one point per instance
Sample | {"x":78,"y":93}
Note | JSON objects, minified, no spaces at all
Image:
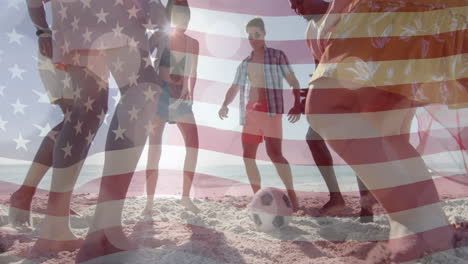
{"x":102,"y":84}
{"x":86,"y":3}
{"x":89,"y":104}
{"x":43,"y":97}
{"x":133,"y":12}
{"x":102,"y":16}
{"x":149,"y":128}
{"x":149,"y":94}
{"x":18,"y":107}
{"x":133,"y":113}
{"x":75,"y":22}
{"x":89,"y":138}
{"x":133,"y":44}
{"x":150,"y":25}
{"x":117,"y":30}
{"x":77,"y":93}
{"x":13,"y":36}
{"x":77,"y":127}
{"x":119,"y":133}
{"x":16,"y":72}
{"x":63,"y":12}
{"x":21,"y":142}
{"x":87,"y":35}
{"x":67,"y":149}
{"x":102,"y":117}
{"x":44,"y":130}
{"x":133,"y":79}
{"x":2,"y":124}
{"x":67,"y":116}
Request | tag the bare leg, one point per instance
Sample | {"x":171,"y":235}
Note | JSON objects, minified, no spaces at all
{"x":250,"y":154}
{"x":20,"y":201}
{"x":106,"y":234}
{"x":324,"y":162}
{"x":395,"y":172}
{"x":274,"y":150}
{"x":70,"y":151}
{"x":188,"y":128}
{"x":367,"y":201}
{"x":152,"y":166}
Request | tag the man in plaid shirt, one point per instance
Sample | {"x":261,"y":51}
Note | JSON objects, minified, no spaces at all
{"x":259,"y":79}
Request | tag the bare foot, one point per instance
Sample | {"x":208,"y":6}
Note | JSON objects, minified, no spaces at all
{"x":334,"y":205}
{"x":104,"y":242}
{"x":46,"y":247}
{"x":189,"y":205}
{"x":419,"y":245}
{"x":19,"y":213}
{"x":148,"y":211}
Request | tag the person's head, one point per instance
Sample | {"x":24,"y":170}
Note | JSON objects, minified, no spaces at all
{"x":255,"y":29}
{"x":309,"y":9}
{"x":178,"y":13}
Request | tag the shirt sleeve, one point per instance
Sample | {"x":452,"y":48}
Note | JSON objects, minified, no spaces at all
{"x":285,"y":67}
{"x":238,"y":78}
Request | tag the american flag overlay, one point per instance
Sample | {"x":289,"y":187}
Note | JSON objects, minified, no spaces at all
{"x":229,"y":131}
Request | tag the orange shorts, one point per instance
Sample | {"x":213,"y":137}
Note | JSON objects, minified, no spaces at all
{"x":258,"y":123}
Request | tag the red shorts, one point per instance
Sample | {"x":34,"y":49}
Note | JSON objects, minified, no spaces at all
{"x":258,"y":123}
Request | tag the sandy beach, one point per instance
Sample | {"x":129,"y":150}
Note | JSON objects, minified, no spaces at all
{"x":223,"y":233}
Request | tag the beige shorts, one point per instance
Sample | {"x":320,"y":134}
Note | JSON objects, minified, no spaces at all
{"x":56,"y":82}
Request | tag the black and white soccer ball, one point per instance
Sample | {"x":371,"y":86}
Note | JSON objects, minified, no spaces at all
{"x":270,"y":209}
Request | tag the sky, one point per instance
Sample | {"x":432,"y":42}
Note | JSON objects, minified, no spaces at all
{"x":204,"y":21}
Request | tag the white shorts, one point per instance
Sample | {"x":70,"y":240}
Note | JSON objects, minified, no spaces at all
{"x":56,"y":82}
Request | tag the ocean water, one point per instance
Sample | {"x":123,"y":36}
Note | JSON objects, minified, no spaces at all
{"x":306,"y":178}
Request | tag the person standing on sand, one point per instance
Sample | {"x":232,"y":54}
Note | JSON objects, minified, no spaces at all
{"x":92,"y":39}
{"x":376,"y":72}
{"x":259,"y":79}
{"x":178,"y":61}
{"x":56,"y":81}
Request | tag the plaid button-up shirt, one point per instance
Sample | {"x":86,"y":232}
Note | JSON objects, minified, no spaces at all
{"x":275,"y":68}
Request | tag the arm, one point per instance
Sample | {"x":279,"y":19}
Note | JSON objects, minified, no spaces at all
{"x":38,"y":17}
{"x":295,"y":111}
{"x":193,"y":69}
{"x":37,"y":14}
{"x":294,"y":83}
{"x":230,"y":95}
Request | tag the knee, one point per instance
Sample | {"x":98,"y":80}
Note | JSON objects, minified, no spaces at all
{"x":248,"y":154}
{"x":191,"y":136}
{"x":275,"y":155}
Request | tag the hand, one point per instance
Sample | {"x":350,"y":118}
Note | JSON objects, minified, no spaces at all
{"x":45,"y":46}
{"x":186,"y":95}
{"x":223,"y":112}
{"x":294,"y":114}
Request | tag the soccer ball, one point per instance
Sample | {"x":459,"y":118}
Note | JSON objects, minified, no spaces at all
{"x":270,"y":209}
